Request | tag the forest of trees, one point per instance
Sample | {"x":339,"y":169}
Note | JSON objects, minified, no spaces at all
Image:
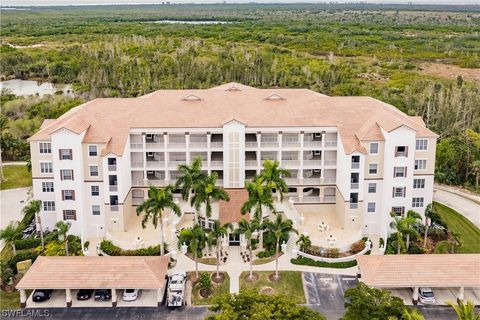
{"x":119,"y":51}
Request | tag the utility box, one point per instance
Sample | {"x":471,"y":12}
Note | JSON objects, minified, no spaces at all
{"x":23,"y":266}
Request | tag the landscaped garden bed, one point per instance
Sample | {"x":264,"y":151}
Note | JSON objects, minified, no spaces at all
{"x":206,"y":288}
{"x":289,"y":284}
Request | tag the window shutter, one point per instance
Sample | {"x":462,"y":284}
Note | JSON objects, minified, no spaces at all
{"x":406,"y":151}
{"x":63,"y":194}
{"x":404,"y":192}
{"x":394,"y":172}
{"x":72,"y":174}
{"x":405,"y":171}
{"x":75,"y":215}
{"x":61,"y":174}
{"x":60,"y":154}
{"x":64,"y":215}
{"x":73,"y":194}
{"x":71,"y":154}
{"x":393,"y":192}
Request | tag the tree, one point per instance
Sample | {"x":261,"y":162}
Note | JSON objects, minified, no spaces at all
{"x":10,"y":234}
{"x":305,"y":242}
{"x":453,"y":239}
{"x":194,"y":238}
{"x":159,"y":199}
{"x":365,"y":303}
{"x":33,"y":208}
{"x":206,"y":191}
{"x":259,"y":196}
{"x":214,"y":238}
{"x":272,"y":175}
{"x":63,"y":228}
{"x":251,"y":305}
{"x":412,"y":314}
{"x":412,"y":221}
{"x":403,"y":225}
{"x":428,"y":216}
{"x":248,"y":228}
{"x":465,"y":311}
{"x":190,"y":176}
{"x":280,"y":228}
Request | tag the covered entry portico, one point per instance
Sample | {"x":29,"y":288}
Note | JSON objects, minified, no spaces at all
{"x":65,"y":275}
{"x":437,"y":271}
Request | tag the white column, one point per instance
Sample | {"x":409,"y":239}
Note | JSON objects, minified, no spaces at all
{"x":279,"y":137}
{"x":160,"y":296}
{"x":68,"y":297}
{"x":166,"y":156}
{"x":114,"y":297}
{"x":302,"y":136}
{"x":187,"y":145}
{"x":461,"y":294}
{"x":415,"y":296}
{"x":144,"y":158}
{"x":23,"y":298}
{"x":323,"y":139}
{"x":259,"y":160}
{"x":209,"y":152}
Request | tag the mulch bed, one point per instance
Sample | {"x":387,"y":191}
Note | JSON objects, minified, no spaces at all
{"x":205,"y":293}
{"x":220,"y":279}
{"x":266,"y":290}
{"x":272,"y":277}
{"x":255,"y":277}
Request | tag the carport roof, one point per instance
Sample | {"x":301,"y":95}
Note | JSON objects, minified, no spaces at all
{"x":425,"y":270}
{"x":96,"y":273}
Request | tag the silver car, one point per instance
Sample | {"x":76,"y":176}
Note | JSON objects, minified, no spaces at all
{"x":426,"y":296}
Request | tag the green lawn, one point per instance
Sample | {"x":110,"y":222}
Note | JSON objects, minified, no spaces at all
{"x":16,"y":177}
{"x":9,"y":300}
{"x":218,"y":289}
{"x":290,"y":284}
{"x":469,"y":233}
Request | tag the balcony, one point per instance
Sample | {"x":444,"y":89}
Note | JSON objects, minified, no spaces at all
{"x":154,"y":145}
{"x":329,"y":198}
{"x":311,"y":199}
{"x":158,"y":183}
{"x":136,"y":145}
{"x":199,"y":144}
{"x":251,"y":144}
{"x":137,"y":201}
{"x":113,"y":188}
{"x":251,"y":163}
{"x":312,"y":162}
{"x":312,"y":143}
{"x":216,"y":145}
{"x":269,"y":144}
{"x":330,"y":162}
{"x":177,"y":145}
{"x":311,"y":180}
{"x":137,"y":164}
{"x":112,"y":167}
{"x":330,"y":143}
{"x":220,"y":182}
{"x":216,"y":163}
{"x":137,"y":182}
{"x":354,"y":185}
{"x":290,"y":142}
{"x":290,"y":162}
{"x":114,"y":207}
{"x":353,"y":205}
{"x":330,"y":180}
{"x":155,"y":164}
{"x":291,"y":180}
{"x":355,"y":165}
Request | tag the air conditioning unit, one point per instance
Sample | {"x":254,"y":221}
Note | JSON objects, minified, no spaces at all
{"x":150,"y":154}
{"x":316,"y":170}
{"x":149,"y":136}
{"x":317,"y":134}
{"x":317,"y":152}
{"x":150,"y":172}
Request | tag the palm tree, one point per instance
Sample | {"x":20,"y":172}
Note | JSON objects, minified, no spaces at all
{"x":465,"y":311}
{"x":280,"y":228}
{"x":33,"y":208}
{"x":259,"y":196}
{"x":206,"y":191}
{"x":411,"y":314}
{"x":190,"y":176}
{"x":158,"y":200}
{"x":453,"y":239}
{"x":10,"y":234}
{"x":305,"y":242}
{"x":273,"y":175}
{"x":214,"y":239}
{"x":194,"y":238}
{"x":428,"y":215}
{"x":248,"y":228}
{"x":403,"y":225}
{"x":63,"y":228}
{"x":412,"y":224}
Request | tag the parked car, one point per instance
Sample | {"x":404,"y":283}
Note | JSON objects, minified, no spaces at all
{"x":131,"y":294}
{"x":426,"y":296}
{"x":84,"y":294}
{"x":40,"y":295}
{"x":103,"y":295}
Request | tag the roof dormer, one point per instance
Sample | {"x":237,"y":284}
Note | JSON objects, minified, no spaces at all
{"x":274,"y":97}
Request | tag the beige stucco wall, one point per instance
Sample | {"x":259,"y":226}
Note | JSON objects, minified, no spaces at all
{"x":37,"y":158}
{"x":374,"y":158}
{"x":87,"y":161}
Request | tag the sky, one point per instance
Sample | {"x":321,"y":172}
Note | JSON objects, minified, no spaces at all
{"x":93,"y":2}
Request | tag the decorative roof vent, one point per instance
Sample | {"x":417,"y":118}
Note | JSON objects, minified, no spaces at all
{"x":274,"y":96}
{"x":192,"y":97}
{"x":233,"y":87}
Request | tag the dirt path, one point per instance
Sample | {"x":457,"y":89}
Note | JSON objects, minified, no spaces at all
{"x":450,"y":71}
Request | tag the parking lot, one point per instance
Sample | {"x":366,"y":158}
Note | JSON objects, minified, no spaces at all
{"x":441,"y":295}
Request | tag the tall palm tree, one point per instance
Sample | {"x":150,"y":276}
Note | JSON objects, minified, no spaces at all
{"x":190,"y":176}
{"x":465,"y":311}
{"x":280,"y":228}
{"x":205,"y":192}
{"x":305,"y":242}
{"x":33,"y":208}
{"x":411,"y":314}
{"x":248,"y":228}
{"x":153,"y":208}
{"x":63,"y":228}
{"x":412,"y":224}
{"x":403,"y":226}
{"x":428,"y":215}
{"x":259,"y":196}
{"x":194,"y":238}
{"x":10,"y":234}
{"x":273,"y":175}
{"x":214,"y":238}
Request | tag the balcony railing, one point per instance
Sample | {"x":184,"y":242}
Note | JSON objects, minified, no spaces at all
{"x":113,"y":187}
{"x":155,"y":164}
{"x":137,"y":182}
{"x":137,"y":164}
{"x":216,"y":144}
{"x":312,"y":143}
{"x":355,"y":165}
{"x":330,"y":180}
{"x":114,"y":207}
{"x":158,"y":183}
{"x":136,"y":145}
{"x":311,"y":180}
{"x":251,"y":163}
{"x":330,"y":143}
{"x":269,"y":144}
{"x":290,"y":162}
{"x":177,"y":145}
{"x":354,"y":185}
{"x":216,"y":163}
{"x":311,"y":199}
{"x":353,"y":205}
{"x":198,"y":144}
{"x":219,"y":182}
{"x":312,"y":162}
{"x":292,"y":180}
{"x":290,"y":143}
{"x":157,"y":145}
{"x":137,"y":201}
{"x":330,"y":162}
{"x":251,"y":144}
{"x":329,"y":198}
{"x":112,"y":167}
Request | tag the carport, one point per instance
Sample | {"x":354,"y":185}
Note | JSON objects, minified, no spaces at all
{"x":65,"y":275}
{"x":459,"y":271}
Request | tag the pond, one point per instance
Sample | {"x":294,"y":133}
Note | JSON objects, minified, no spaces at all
{"x":29,"y":87}
{"x":191,"y":22}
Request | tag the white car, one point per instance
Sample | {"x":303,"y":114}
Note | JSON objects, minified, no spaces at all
{"x":131,"y":294}
{"x":426,"y":296}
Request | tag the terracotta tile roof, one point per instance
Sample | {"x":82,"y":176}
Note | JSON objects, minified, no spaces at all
{"x":96,"y":272}
{"x":110,"y":119}
{"x":229,"y":211}
{"x":425,"y":270}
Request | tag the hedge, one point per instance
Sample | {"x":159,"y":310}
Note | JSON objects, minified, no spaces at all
{"x":310,"y":262}
{"x":112,"y":250}
{"x":27,"y":243}
{"x":12,"y":263}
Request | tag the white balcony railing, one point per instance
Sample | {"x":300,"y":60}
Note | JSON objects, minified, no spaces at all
{"x":137,"y":164}
{"x":251,"y":144}
{"x":114,"y":207}
{"x":329,"y":199}
{"x":354,"y":185}
{"x":113,"y":188}
{"x":216,"y":144}
{"x":112,"y":167}
{"x":220,"y":182}
{"x":136,"y":145}
{"x":177,"y":145}
{"x":311,"y":180}
{"x":355,"y":165}
{"x":311,"y":199}
{"x":198,"y":144}
{"x":137,"y":182}
{"x":137,"y":201}
{"x":290,"y":162}
{"x":154,"y":145}
{"x":251,"y":163}
{"x":330,"y":143}
{"x":312,"y":143}
{"x":155,"y":164}
{"x":330,"y":180}
{"x":216,"y":163}
{"x":353,"y":205}
{"x":312,"y":162}
{"x":292,"y":180}
{"x":158,"y":183}
{"x":330,"y":162}
{"x":293,"y":143}
{"x":270,"y":144}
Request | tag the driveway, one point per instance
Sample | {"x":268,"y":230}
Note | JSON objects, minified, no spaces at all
{"x":12,"y":202}
{"x":464,"y":204}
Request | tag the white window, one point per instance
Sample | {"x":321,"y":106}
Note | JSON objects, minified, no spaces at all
{"x":399,"y":172}
{"x":374,"y":148}
{"x":47,"y":186}
{"x":95,"y":191}
{"x":46,"y":167}
{"x":65,"y":154}
{"x":45,"y":147}
{"x":69,"y":215}
{"x":96,"y":210}
{"x":420,"y":164}
{"x":68,"y":194}
{"x":373,"y":168}
{"x":371,"y":207}
{"x":399,"y":192}
{"x":92,"y":151}
{"x":372,"y":188}
{"x":417,"y":202}
{"x":421,"y":144}
{"x":418,"y":183}
{"x":66,"y":174}
{"x":48,"y":205}
{"x":398,"y":210}
{"x":94,"y":171}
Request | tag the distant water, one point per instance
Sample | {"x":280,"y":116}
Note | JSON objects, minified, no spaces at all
{"x":191,"y":22}
{"x":28,"y":87}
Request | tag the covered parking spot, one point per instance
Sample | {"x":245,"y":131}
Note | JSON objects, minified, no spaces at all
{"x":66,"y":275}
{"x":451,"y":276}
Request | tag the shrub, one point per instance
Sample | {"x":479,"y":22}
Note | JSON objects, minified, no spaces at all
{"x":382,"y":242}
{"x":86,"y":244}
{"x":12,"y":263}
{"x":266,"y":253}
{"x":310,"y":262}
{"x":357,"y":246}
{"x":109,"y":248}
{"x":204,"y":283}
{"x":332,"y":253}
{"x":112,"y":250}
{"x":414,"y":249}
{"x":54,"y":248}
{"x":27,"y":243}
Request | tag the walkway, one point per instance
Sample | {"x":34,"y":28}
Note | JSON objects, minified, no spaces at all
{"x":465,"y":203}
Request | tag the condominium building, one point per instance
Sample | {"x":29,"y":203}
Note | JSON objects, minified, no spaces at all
{"x":355,"y":158}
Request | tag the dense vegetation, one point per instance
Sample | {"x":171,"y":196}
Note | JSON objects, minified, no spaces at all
{"x":334,"y":49}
